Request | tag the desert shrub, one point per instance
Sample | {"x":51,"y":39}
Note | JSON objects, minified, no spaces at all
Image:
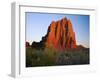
{"x":50,"y":57}
{"x":33,"y":57}
{"x":73,"y":57}
{"x":29,"y":56}
{"x":40,"y":57}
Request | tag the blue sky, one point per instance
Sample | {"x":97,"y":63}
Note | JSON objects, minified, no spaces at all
{"x":37,"y":25}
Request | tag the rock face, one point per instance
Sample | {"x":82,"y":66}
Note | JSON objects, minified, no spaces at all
{"x":27,"y":44}
{"x":60,"y":35}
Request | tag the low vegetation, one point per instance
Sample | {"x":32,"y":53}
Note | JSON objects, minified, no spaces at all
{"x":50,"y":57}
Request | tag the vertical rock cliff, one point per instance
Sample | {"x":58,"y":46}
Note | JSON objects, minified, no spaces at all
{"x":60,"y":35}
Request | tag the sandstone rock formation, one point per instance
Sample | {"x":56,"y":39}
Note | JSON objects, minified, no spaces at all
{"x":60,"y":35}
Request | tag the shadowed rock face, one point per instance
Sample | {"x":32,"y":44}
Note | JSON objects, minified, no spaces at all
{"x":27,"y":44}
{"x":60,"y":35}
